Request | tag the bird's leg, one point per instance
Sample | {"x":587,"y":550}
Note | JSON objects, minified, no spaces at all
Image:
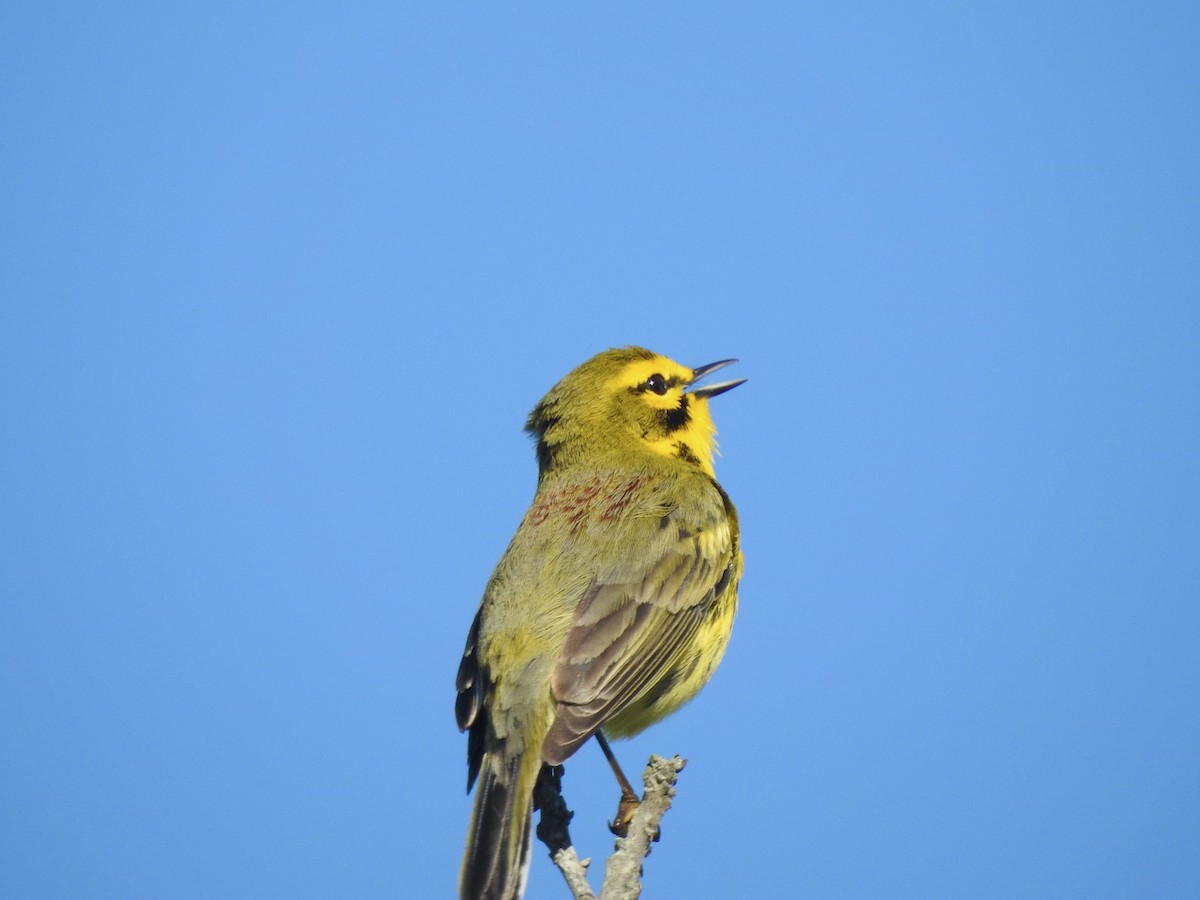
{"x":629,"y":800}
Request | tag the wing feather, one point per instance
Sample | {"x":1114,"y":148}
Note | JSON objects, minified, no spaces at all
{"x":625,"y":633}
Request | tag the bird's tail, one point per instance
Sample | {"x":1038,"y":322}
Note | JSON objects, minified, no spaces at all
{"x":495,"y":865}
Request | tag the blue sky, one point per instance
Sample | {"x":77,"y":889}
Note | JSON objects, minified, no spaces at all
{"x":281,"y":282}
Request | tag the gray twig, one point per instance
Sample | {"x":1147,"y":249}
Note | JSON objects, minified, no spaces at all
{"x":623,"y":870}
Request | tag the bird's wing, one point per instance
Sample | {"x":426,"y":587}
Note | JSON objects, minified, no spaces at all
{"x":469,"y":708}
{"x":629,"y":625}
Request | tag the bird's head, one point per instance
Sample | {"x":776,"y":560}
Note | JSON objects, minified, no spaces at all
{"x":628,"y":400}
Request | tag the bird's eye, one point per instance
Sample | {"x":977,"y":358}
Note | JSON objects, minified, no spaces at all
{"x":656,"y":383}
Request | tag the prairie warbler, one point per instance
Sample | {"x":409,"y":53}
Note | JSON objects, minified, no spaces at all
{"x":614,"y":601}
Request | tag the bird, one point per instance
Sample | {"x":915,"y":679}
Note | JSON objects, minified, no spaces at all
{"x":614,"y":601}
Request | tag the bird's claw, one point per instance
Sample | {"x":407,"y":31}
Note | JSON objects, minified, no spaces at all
{"x":627,"y":806}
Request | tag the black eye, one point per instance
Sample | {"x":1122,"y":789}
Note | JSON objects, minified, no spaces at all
{"x":656,"y":383}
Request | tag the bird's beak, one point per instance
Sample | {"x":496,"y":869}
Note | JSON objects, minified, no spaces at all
{"x":712,"y":390}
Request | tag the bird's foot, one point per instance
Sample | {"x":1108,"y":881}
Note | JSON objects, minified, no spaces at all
{"x":627,"y":806}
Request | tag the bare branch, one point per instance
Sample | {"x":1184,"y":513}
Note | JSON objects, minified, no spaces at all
{"x":574,"y":871}
{"x":623,"y":870}
{"x":552,"y":831}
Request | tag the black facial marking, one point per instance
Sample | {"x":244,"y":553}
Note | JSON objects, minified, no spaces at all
{"x":677,"y":418}
{"x":684,"y":452}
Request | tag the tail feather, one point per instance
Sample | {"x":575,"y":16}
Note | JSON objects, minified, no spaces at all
{"x":495,"y":865}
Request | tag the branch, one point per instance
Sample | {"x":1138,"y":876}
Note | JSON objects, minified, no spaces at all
{"x":623,"y":870}
{"x":552,"y":831}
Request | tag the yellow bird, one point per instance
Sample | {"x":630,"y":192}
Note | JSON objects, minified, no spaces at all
{"x":613,"y":603}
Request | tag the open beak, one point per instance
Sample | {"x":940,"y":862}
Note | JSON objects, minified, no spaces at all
{"x":712,"y":390}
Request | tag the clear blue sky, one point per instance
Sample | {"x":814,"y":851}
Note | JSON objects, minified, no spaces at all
{"x":281,"y":281}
